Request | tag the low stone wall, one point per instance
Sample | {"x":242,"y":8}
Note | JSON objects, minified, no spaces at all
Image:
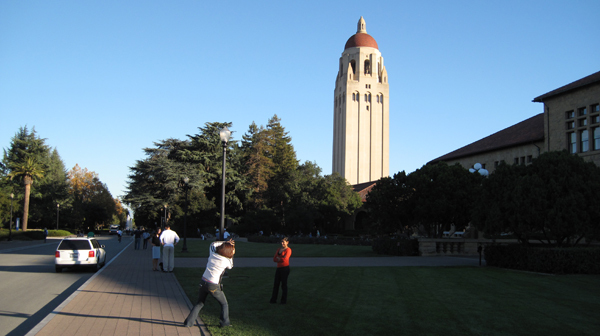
{"x":450,"y":246}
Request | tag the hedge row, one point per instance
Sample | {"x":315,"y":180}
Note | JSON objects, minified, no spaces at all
{"x":396,"y":247}
{"x":555,"y":260}
{"x":313,"y":240}
{"x":32,"y":234}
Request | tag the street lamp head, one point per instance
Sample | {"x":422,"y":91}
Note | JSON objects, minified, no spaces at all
{"x":12,"y":196}
{"x":186,"y":180}
{"x":57,"y":205}
{"x":225,"y":133}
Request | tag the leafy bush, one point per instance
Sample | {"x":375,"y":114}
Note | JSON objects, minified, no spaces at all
{"x":313,"y":240}
{"x":556,"y":260}
{"x":396,"y":247}
{"x":32,"y":234}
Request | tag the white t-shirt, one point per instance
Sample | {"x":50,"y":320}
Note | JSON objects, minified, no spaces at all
{"x":169,"y":238}
{"x":216,"y":264}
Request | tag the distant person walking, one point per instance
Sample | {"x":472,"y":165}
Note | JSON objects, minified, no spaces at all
{"x":282,"y":258}
{"x":155,"y":249}
{"x":145,"y":237}
{"x":138,"y":236}
{"x":168,"y":239}
{"x":220,"y":259}
{"x":45,"y":234}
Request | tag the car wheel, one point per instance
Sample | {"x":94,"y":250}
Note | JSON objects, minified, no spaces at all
{"x":58,"y":269}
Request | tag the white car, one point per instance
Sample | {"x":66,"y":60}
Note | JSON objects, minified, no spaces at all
{"x":79,"y":252}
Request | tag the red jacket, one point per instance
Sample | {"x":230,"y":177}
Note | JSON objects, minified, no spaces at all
{"x":282,"y":258}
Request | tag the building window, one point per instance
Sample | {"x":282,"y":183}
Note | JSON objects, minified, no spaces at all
{"x":582,"y":111}
{"x":367,"y":67}
{"x":570,"y":115}
{"x":516,"y":161}
{"x":595,"y":108}
{"x":584,"y":141}
{"x":596,"y":134}
{"x":596,"y":119}
{"x":582,"y":122}
{"x":570,"y":124}
{"x":529,"y":158}
{"x":572,"y":142}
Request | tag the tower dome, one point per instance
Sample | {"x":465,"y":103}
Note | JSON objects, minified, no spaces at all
{"x":361,"y":38}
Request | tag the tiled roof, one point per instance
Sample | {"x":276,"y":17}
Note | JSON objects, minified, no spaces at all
{"x":361,"y":40}
{"x":527,"y":131}
{"x":593,"y":78}
{"x":363,"y":189}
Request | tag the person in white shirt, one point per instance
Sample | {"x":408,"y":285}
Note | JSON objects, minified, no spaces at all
{"x":168,"y":239}
{"x":225,"y":234}
{"x":221,"y":258}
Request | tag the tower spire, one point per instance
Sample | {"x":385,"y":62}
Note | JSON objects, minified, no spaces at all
{"x":362,"y":26}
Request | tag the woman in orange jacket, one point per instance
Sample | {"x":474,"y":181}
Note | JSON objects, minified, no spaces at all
{"x":282,"y":258}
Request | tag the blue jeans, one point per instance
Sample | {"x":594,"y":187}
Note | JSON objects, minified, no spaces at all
{"x":216,"y":291}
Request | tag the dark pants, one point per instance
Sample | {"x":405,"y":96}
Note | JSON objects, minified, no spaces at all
{"x":281,"y":277}
{"x":145,"y":244}
{"x":137,"y":243}
{"x":214,"y":290}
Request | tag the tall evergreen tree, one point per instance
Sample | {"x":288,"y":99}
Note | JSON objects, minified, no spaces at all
{"x":24,"y":162}
{"x":257,"y":166}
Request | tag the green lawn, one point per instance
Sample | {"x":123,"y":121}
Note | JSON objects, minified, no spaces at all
{"x":199,"y":249}
{"x":404,"y":301}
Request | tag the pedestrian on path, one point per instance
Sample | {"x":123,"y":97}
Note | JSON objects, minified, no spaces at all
{"x":168,"y":240}
{"x":138,"y":236}
{"x":282,"y":258}
{"x":220,"y":259}
{"x":155,"y":249}
{"x":145,"y":237}
{"x":45,"y":234}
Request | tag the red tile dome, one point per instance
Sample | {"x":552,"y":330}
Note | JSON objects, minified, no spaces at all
{"x":361,"y":40}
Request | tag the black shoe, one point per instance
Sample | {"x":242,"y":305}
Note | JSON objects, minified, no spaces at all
{"x":283,"y":302}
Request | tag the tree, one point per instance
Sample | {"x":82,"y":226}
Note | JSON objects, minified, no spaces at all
{"x":28,"y":172}
{"x":553,"y":199}
{"x":24,"y":162}
{"x":431,"y":199}
{"x":257,"y":167}
{"x":92,"y":202}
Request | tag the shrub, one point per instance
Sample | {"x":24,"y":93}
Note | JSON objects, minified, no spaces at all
{"x":555,"y":260}
{"x":396,"y":247}
{"x":313,"y":240}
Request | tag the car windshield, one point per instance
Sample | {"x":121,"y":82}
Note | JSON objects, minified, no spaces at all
{"x":74,"y":245}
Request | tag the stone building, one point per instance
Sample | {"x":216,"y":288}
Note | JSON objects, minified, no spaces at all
{"x":570,"y":121}
{"x":361,"y":111}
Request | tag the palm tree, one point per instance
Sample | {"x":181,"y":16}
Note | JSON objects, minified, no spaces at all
{"x":29,"y":170}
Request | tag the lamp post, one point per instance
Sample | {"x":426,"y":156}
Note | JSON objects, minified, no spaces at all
{"x":165,"y":221}
{"x":57,"y":209}
{"x":186,"y":180}
{"x":225,"y":133}
{"x":11,"y":213}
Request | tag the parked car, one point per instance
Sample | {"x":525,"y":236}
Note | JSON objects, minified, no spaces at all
{"x":79,"y":252}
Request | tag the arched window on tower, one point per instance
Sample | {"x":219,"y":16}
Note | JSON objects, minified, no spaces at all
{"x":353,"y":66}
{"x":367,"y":67}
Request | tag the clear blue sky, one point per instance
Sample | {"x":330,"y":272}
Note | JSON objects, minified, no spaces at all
{"x":100,"y":80}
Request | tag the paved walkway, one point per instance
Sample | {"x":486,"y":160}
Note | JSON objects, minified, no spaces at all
{"x":124,"y":298}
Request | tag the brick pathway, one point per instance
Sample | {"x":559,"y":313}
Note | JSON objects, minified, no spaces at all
{"x":124,"y":298}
